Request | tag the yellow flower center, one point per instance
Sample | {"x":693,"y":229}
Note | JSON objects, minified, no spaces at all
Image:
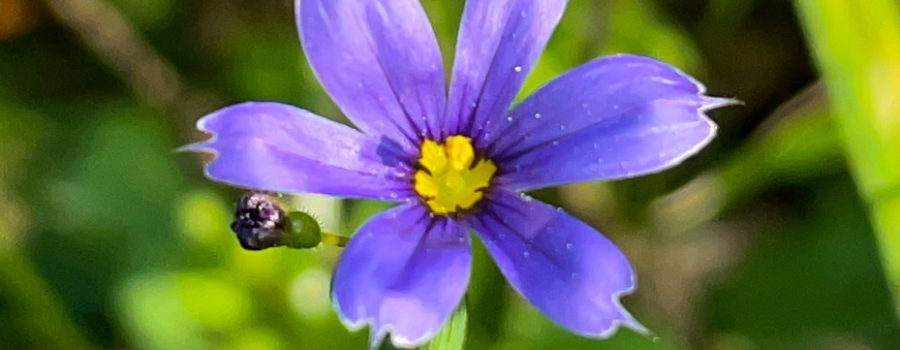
{"x":451,"y":180}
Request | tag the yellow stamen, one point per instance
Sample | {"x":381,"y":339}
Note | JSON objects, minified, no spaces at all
{"x":449,"y":182}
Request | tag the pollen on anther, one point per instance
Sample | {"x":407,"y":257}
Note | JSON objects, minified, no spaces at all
{"x":452,"y":177}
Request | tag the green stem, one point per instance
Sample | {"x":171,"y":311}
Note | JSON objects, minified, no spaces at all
{"x":857,"y":46}
{"x":452,"y":335}
{"x":334,"y":239}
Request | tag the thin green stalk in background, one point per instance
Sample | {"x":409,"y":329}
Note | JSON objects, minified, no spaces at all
{"x":857,"y":47}
{"x":34,"y":308}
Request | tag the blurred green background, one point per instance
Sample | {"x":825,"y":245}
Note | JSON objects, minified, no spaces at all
{"x":110,"y":239}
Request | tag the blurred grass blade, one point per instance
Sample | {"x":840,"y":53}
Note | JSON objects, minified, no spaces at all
{"x":453,"y":335}
{"x":857,"y":47}
{"x":27,"y":299}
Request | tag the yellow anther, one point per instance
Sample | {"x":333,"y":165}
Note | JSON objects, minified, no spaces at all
{"x":448,"y":181}
{"x":434,"y":157}
{"x":460,"y":152}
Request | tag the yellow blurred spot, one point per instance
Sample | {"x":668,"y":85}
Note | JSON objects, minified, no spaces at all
{"x":452,"y":179}
{"x":203,"y":218}
{"x":216,"y":304}
{"x":309,"y":293}
{"x":254,"y":339}
{"x":153,"y":314}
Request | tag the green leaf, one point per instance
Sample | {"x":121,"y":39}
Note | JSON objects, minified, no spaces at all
{"x":857,"y":47}
{"x":453,"y":335}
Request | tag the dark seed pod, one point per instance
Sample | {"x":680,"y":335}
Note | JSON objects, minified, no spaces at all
{"x":260,"y":223}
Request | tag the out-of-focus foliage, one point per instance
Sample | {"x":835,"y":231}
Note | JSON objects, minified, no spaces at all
{"x":862,"y":65}
{"x":110,"y":239}
{"x":453,"y":335}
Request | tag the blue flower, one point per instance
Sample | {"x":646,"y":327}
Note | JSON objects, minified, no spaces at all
{"x":459,"y":160}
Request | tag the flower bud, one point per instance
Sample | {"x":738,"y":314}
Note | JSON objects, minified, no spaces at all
{"x":305,"y":231}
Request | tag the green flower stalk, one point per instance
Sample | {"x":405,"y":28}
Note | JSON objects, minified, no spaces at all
{"x":857,"y":47}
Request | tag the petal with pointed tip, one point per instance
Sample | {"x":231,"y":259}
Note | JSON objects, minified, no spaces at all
{"x":615,"y":117}
{"x":276,"y":147}
{"x":561,"y":265}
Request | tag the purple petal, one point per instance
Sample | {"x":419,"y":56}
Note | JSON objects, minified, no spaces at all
{"x":403,"y":273}
{"x":562,"y":266}
{"x":281,"y":148}
{"x":614,"y":117}
{"x":499,"y":41}
{"x":380,"y":62}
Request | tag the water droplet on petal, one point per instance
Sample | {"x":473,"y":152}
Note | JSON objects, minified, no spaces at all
{"x":569,"y":246}
{"x":562,"y":128}
{"x":526,"y":254}
{"x":509,"y":118}
{"x":537,"y":116}
{"x":555,"y":143}
{"x":518,"y":69}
